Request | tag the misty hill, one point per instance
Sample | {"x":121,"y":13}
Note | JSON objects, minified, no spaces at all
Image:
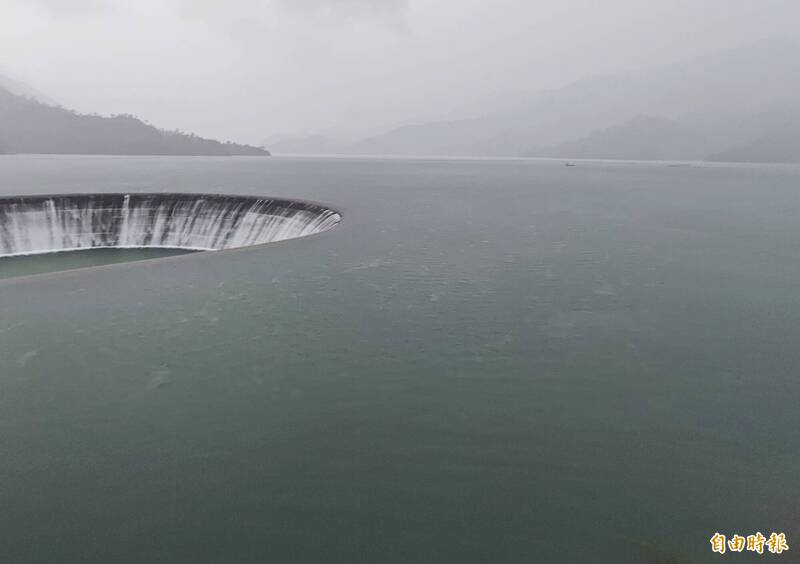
{"x":714,"y":91}
{"x":28,"y":126}
{"x":641,"y":138}
{"x":21,"y":89}
{"x":778,"y":146}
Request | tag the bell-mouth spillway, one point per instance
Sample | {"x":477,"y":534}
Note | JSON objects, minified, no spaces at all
{"x":200,"y":222}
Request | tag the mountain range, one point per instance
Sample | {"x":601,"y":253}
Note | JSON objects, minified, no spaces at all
{"x":27,"y":125}
{"x":740,"y":104}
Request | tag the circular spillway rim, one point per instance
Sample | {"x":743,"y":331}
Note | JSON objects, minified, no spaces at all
{"x":328,"y":218}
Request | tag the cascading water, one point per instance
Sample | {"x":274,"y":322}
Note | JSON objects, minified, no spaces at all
{"x":45,"y":224}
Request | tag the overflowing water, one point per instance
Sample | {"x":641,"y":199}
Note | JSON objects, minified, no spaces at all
{"x":42,"y":224}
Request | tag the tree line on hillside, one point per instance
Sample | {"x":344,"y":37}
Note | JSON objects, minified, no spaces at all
{"x":28,"y":126}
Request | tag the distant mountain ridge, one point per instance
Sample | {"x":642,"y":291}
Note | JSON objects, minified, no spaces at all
{"x":29,"y":126}
{"x":648,"y":138}
{"x":697,"y":109}
{"x":777,"y":146}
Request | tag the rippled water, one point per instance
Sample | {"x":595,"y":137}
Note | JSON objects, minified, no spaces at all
{"x":487,"y":361}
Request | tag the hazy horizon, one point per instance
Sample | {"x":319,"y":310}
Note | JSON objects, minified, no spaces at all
{"x":247,"y":70}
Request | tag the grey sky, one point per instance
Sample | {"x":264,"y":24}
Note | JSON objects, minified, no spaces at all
{"x":246,"y":69}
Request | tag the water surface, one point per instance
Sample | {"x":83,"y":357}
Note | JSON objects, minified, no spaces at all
{"x":54,"y":262}
{"x":487,"y":361}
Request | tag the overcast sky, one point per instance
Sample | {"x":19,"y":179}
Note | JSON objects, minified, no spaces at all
{"x":247,"y":69}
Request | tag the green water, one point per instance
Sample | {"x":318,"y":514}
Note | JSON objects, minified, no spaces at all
{"x":487,"y":361}
{"x":54,"y":262}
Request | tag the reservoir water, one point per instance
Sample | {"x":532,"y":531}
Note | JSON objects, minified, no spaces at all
{"x":485,"y":361}
{"x":24,"y":265}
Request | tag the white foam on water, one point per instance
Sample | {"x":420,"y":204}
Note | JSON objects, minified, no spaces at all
{"x":46,"y":224}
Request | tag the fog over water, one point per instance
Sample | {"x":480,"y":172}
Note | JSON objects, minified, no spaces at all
{"x":248,"y":70}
